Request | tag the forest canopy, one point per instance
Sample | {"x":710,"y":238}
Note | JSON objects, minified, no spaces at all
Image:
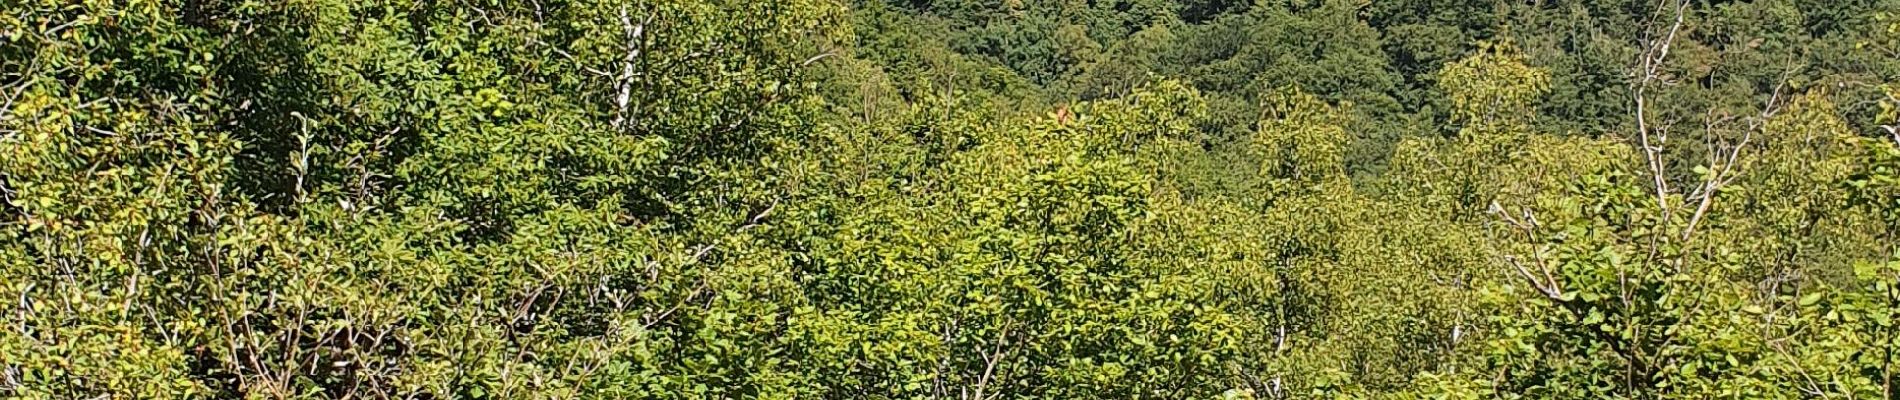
{"x":949,"y":199}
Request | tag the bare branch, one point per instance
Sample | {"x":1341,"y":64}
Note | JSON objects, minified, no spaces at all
{"x":1547,"y":289}
{"x":815,"y":58}
{"x":991,"y":358}
{"x":1725,"y":173}
{"x":1648,"y":138}
{"x":1546,"y":285}
{"x":635,"y":33}
{"x":302,"y":165}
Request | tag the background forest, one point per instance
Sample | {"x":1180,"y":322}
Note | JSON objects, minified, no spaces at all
{"x":949,"y":199}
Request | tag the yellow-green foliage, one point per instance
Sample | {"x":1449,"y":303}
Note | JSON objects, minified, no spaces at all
{"x":1493,"y":89}
{"x":693,"y":199}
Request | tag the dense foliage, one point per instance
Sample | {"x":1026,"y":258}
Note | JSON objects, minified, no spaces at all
{"x":882,"y":199}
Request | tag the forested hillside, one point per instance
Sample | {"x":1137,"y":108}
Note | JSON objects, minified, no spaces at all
{"x":949,"y":199}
